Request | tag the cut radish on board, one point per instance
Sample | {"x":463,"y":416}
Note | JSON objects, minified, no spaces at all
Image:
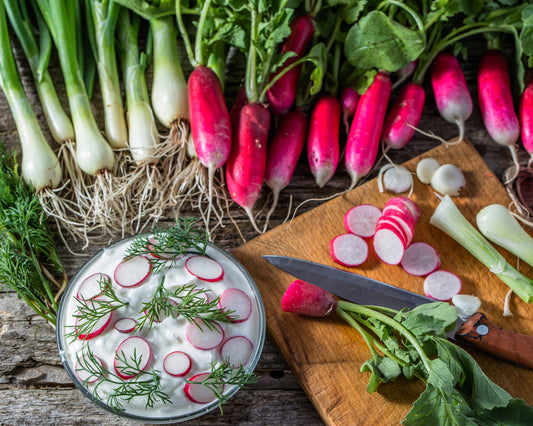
{"x":420,"y":259}
{"x":198,"y":392}
{"x":397,"y":179}
{"x":133,"y":271}
{"x":236,"y":350}
{"x":132,"y":351}
{"x":177,"y":364}
{"x":348,"y":249}
{"x":361,"y":220}
{"x":93,"y":286}
{"x":204,"y":268}
{"x":405,"y":202}
{"x":84,"y":374}
{"x":100,"y":325}
{"x":389,"y":245}
{"x":391,"y":225}
{"x":237,"y":301}
{"x":442,"y":285}
{"x":125,"y":325}
{"x":203,"y":337}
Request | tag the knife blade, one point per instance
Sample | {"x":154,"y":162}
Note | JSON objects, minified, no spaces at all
{"x":475,"y":331}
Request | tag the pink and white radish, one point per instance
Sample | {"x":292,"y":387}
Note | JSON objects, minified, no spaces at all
{"x":202,"y":336}
{"x":236,"y":350}
{"x":496,"y":102}
{"x":157,"y":254}
{"x":393,"y":224}
{"x":198,"y":392}
{"x":404,"y":73}
{"x":389,"y":245}
{"x":177,"y":364}
{"x":236,"y":300}
{"x":132,"y":355}
{"x":451,"y":92}
{"x":125,"y":325}
{"x":442,"y":285}
{"x":526,"y":121}
{"x":361,"y":220}
{"x":348,"y":250}
{"x":93,"y":286}
{"x":420,"y":259}
{"x":240,"y":100}
{"x":305,"y":298}
{"x":98,"y":328}
{"x":132,"y":271}
{"x":405,"y":203}
{"x":365,"y":132}
{"x":84,"y":374}
{"x":205,"y":268}
{"x":349,"y":100}
{"x":323,"y":139}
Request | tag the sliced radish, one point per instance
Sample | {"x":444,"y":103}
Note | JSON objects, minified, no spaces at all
{"x":125,"y":325}
{"x":442,"y":285}
{"x":198,"y":392}
{"x":406,"y":202}
{"x":132,"y":351}
{"x":204,"y":268}
{"x":93,"y":286}
{"x":237,"y":301}
{"x":100,"y":325}
{"x":84,"y":375}
{"x":169,"y":254}
{"x":420,"y":259}
{"x":392,"y":225}
{"x":466,"y":304}
{"x":236,"y":350}
{"x":389,"y":246}
{"x":177,"y":364}
{"x":398,"y":179}
{"x":405,"y":223}
{"x":348,"y":250}
{"x":133,"y":271}
{"x":203,"y":337}
{"x":361,"y":220}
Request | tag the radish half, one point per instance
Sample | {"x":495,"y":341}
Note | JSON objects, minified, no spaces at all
{"x":420,"y":259}
{"x":177,"y":364}
{"x":198,"y":392}
{"x":133,"y":271}
{"x":133,"y":350}
{"x":361,"y":220}
{"x":237,"y":301}
{"x":236,"y":350}
{"x":202,"y":337}
{"x":348,"y":250}
{"x":204,"y":268}
{"x":442,"y":285}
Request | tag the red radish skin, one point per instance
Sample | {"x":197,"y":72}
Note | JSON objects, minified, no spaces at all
{"x":391,"y":221}
{"x":308,"y":299}
{"x":526,"y":121}
{"x":404,"y":73}
{"x":125,"y":325}
{"x":442,"y":285}
{"x":205,"y":268}
{"x":237,"y":301}
{"x":348,"y":250}
{"x":405,"y":202}
{"x":203,"y":337}
{"x":404,"y":116}
{"x":349,"y":100}
{"x":284,"y":150}
{"x":396,"y":228}
{"x":323,"y":139}
{"x":367,"y":125}
{"x":136,"y":351}
{"x":98,"y":328}
{"x":92,"y":286}
{"x":361,"y":220}
{"x":236,"y":350}
{"x":246,"y":166}
{"x":240,"y":100}
{"x":198,"y":392}
{"x":133,"y":271}
{"x":420,"y":259}
{"x":452,"y":97}
{"x":283,"y":92}
{"x":177,"y":364}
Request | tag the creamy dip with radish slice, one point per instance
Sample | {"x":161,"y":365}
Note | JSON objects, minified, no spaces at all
{"x":140,"y":341}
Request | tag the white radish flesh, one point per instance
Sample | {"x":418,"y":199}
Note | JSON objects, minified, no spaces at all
{"x":198,"y":392}
{"x":348,"y":250}
{"x":135,"y":351}
{"x":133,"y":271}
{"x":203,"y":337}
{"x":442,"y":285}
{"x":405,"y":203}
{"x":177,"y":364}
{"x":125,"y":325}
{"x":361,"y":220}
{"x":93,"y":286}
{"x":420,"y":259}
{"x":237,"y":301}
{"x":236,"y":350}
{"x":406,"y":222}
{"x":395,"y":227}
{"x":466,"y":304}
{"x":204,"y":268}
{"x":448,"y":180}
{"x":426,"y":168}
{"x":98,"y":328}
{"x":389,"y":246}
{"x":398,"y":179}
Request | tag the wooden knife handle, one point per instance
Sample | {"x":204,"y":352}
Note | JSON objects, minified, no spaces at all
{"x":479,"y":332}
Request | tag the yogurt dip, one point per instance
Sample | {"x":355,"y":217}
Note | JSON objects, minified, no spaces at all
{"x":159,"y":337}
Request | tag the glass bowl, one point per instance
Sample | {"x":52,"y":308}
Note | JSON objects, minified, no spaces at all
{"x":168,"y":332}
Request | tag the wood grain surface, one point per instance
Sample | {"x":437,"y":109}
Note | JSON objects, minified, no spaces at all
{"x":325,"y":353}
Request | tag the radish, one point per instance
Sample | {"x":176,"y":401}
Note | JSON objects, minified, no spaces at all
{"x":448,"y":180}
{"x":420,"y":259}
{"x":132,"y":271}
{"x":363,"y":140}
{"x":246,"y":165}
{"x":496,"y":102}
{"x":237,"y":301}
{"x":405,"y":203}
{"x":349,"y":100}
{"x":84,"y":374}
{"x":323,"y":139}
{"x":404,"y":116}
{"x":305,"y":298}
{"x":133,"y":355}
{"x":395,"y":228}
{"x":283,"y":92}
{"x":404,"y":73}
{"x":426,"y":168}
{"x":442,"y":285}
{"x":198,"y":392}
{"x":394,"y":178}
{"x":177,"y":364}
{"x":451,"y":93}
{"x":348,"y":250}
{"x":361,"y":220}
{"x":125,"y":325}
{"x":236,"y":350}
{"x":205,"y":268}
{"x":153,"y":248}
{"x":98,"y":328}
{"x":240,"y":100}
{"x":526,"y":120}
{"x":93,"y":286}
{"x":284,"y":150}
{"x":202,"y":336}
{"x":389,"y":245}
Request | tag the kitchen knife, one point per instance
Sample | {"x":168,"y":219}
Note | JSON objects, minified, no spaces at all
{"x":475,"y":331}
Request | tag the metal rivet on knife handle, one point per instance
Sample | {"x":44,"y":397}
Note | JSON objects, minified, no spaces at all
{"x":478,"y":332}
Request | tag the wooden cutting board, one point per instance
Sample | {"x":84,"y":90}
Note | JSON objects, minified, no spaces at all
{"x":326,"y":354}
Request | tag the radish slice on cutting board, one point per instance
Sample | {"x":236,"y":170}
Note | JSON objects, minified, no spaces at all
{"x":204,"y":268}
{"x":198,"y":392}
{"x":420,"y":259}
{"x":442,"y":285}
{"x":361,"y":220}
{"x":133,"y":350}
{"x":237,"y":301}
{"x":93,"y":286}
{"x":348,"y":250}
{"x":389,"y":245}
{"x":133,"y":271}
{"x":177,"y":364}
{"x":203,"y":337}
{"x":236,"y":350}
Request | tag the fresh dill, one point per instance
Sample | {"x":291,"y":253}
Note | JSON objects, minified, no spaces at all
{"x":166,"y":246}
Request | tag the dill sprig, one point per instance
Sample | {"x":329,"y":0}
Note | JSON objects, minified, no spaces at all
{"x":165,"y":246}
{"x":144,"y":384}
{"x":188,"y":301}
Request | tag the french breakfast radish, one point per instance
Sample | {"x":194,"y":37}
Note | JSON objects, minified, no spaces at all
{"x":132,"y":356}
{"x":236,"y":350}
{"x":205,"y":268}
{"x":246,"y":165}
{"x":93,"y":286}
{"x":202,"y":336}
{"x":323,"y":139}
{"x":420,"y":259}
{"x":348,"y":249}
{"x":452,"y":97}
{"x":442,"y":285}
{"x":283,"y":92}
{"x":526,"y":121}
{"x":496,"y":101}
{"x":177,"y":363}
{"x":132,"y":271}
{"x":305,"y":298}
{"x":365,"y":132}
{"x":98,"y":327}
{"x":361,"y":220}
{"x":349,"y":100}
{"x":196,"y":391}
{"x":236,"y":301}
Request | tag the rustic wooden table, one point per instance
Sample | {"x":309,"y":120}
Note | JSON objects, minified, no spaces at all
{"x":35,"y":389}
